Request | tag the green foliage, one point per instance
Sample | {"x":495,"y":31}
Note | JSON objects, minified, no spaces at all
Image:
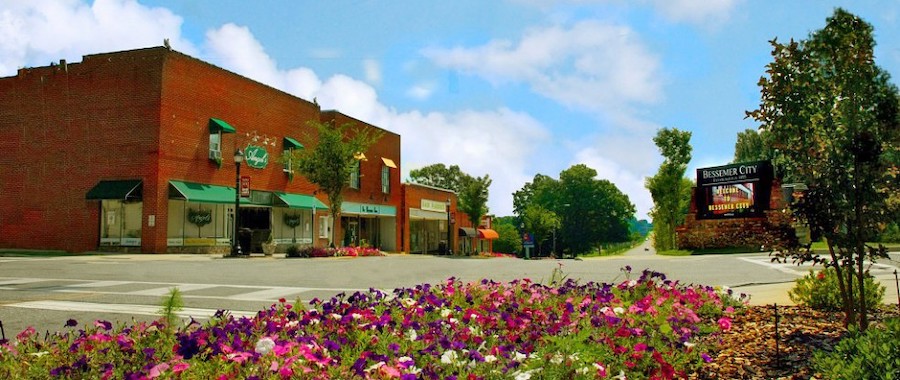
{"x":440,"y":176}
{"x":335,"y":155}
{"x":820,"y":291}
{"x":891,"y":233}
{"x":831,"y":117}
{"x":541,"y":222}
{"x":170,"y":305}
{"x":873,"y":354}
{"x":509,"y":241}
{"x":670,"y":191}
{"x":640,"y":227}
{"x":750,"y":146}
{"x":292,"y":251}
{"x":473,"y":197}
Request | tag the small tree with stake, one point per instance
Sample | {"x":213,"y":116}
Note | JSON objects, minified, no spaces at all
{"x":831,"y":116}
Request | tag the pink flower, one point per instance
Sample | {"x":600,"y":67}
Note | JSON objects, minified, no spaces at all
{"x":158,"y":369}
{"x":180,"y":367}
{"x":724,"y":323}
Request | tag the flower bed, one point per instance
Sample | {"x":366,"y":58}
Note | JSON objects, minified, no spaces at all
{"x":337,"y":252}
{"x":645,"y":328}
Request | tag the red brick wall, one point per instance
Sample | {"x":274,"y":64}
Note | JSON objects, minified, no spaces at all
{"x":62,"y":129}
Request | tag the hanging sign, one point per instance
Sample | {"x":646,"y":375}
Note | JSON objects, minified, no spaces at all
{"x":245,"y":186}
{"x":256,"y":156}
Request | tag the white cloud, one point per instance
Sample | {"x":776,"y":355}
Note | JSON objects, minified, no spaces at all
{"x":372,"y":70}
{"x":495,"y":142}
{"x":699,"y":12}
{"x":611,"y":157}
{"x":421,"y":91}
{"x":42,"y":31}
{"x":591,"y":66}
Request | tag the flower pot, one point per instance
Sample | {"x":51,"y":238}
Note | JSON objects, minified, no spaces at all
{"x":269,"y":248}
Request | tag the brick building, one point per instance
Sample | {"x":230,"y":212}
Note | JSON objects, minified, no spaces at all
{"x":431,"y":218}
{"x":133,"y":151}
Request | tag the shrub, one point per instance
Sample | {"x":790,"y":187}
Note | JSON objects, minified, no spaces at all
{"x":820,"y":290}
{"x":293,"y":251}
{"x":874,"y":354}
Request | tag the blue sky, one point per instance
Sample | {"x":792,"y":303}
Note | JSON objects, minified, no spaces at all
{"x":506,"y":88}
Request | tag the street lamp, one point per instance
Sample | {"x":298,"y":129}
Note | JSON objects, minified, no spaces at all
{"x":235,"y":244}
{"x":449,"y":230}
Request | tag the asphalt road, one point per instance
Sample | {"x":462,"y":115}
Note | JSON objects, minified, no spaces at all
{"x":44,"y":292}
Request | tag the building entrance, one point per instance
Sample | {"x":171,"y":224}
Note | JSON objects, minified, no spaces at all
{"x":254,"y":226}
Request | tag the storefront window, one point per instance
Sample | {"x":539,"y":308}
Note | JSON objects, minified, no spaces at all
{"x":292,"y":226}
{"x":198,"y":224}
{"x":120,"y":223}
{"x":385,"y":179}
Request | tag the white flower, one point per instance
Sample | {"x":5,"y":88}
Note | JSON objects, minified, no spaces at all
{"x":449,"y":357}
{"x":412,"y":335}
{"x":621,"y":376}
{"x":356,"y":316}
{"x":39,"y":354}
{"x":599,"y":367}
{"x":454,"y":320}
{"x":490,"y":359}
{"x":618,"y":310}
{"x":556,"y":359}
{"x":689,"y":344}
{"x":408,"y":302}
{"x":404,"y":359}
{"x":583,"y":370}
{"x":632,"y":283}
{"x":374,"y":366}
{"x":336,"y":316}
{"x":265,"y":345}
{"x":445,"y":313}
{"x":518,"y":356}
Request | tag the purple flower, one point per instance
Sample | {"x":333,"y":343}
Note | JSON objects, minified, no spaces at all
{"x":71,"y":323}
{"x":706,"y":357}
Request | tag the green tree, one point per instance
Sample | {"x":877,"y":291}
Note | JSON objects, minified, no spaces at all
{"x":335,"y":155}
{"x":473,"y":197}
{"x":750,"y":146}
{"x":833,"y":120}
{"x":667,"y":187}
{"x":593,"y":210}
{"x":541,"y":222}
{"x":440,"y":176}
{"x":510,"y":241}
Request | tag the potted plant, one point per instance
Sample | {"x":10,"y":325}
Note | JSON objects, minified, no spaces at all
{"x":269,"y":245}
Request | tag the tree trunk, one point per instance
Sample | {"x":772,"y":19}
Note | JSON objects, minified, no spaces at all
{"x":845,"y":293}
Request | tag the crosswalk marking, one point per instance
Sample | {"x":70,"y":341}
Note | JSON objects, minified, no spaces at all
{"x":268,"y":294}
{"x":786,"y":268}
{"x":165,"y":290}
{"x":99,"y":284}
{"x":21,"y":281}
{"x":121,"y":308}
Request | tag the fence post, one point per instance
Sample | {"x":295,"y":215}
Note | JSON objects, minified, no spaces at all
{"x":777,"y":348}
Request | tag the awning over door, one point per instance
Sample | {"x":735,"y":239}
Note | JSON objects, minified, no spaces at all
{"x":122,"y":189}
{"x":199,"y":192}
{"x":217,"y":125}
{"x":290,"y":143}
{"x":300,"y":201}
{"x":467,"y":232}
{"x":487,"y":233}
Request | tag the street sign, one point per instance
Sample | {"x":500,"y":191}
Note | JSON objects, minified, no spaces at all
{"x":528,"y":240}
{"x":245,"y":186}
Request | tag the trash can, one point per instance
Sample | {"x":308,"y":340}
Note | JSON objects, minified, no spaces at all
{"x":442,"y":248}
{"x":245,"y":239}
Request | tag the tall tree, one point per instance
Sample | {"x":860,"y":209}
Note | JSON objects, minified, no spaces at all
{"x":510,"y":240}
{"x":667,"y":186}
{"x":473,"y":197}
{"x":440,"y":176}
{"x":593,"y":210}
{"x":833,"y":119}
{"x":335,"y":155}
{"x":750,"y":146}
{"x":541,"y":222}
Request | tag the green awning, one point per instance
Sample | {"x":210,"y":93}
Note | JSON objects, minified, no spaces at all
{"x":199,"y":192}
{"x":216,"y":125}
{"x":124,"y":189}
{"x":290,"y":143}
{"x":300,"y":201}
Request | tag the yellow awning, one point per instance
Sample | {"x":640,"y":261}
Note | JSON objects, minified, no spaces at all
{"x":389,"y":162}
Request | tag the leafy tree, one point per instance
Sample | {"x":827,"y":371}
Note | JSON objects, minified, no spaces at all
{"x":833,"y":120}
{"x":750,"y":146}
{"x":593,"y":210}
{"x":510,"y":241}
{"x":439,"y":176}
{"x":669,"y":191}
{"x":473,"y":197}
{"x":330,"y":163}
{"x":541,"y":222}
{"x":542,"y":190}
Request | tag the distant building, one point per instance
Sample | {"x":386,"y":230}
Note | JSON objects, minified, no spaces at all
{"x":133,"y":151}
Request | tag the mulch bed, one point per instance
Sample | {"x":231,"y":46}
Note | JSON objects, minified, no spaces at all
{"x":749,"y":351}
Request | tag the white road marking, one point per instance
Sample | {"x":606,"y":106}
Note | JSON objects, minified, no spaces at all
{"x":165,"y":290}
{"x":99,"y":284}
{"x":120,"y":308}
{"x":786,"y":268}
{"x":19,"y":281}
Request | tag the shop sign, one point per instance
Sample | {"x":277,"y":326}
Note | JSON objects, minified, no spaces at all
{"x":256,"y":156}
{"x":430,"y":205}
{"x":199,"y":218}
{"x":368,"y":209}
{"x":245,"y":186}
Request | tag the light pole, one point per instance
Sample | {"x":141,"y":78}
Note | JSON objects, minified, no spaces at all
{"x":235,"y":244}
{"x":449,"y":230}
